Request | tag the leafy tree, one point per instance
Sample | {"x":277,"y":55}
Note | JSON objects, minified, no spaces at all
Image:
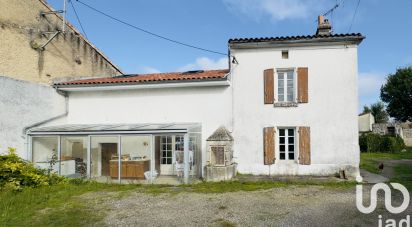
{"x":378,"y":111}
{"x":397,"y":93}
{"x":366,"y":109}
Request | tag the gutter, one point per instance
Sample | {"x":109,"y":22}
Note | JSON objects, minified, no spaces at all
{"x":138,"y":86}
{"x":27,"y":128}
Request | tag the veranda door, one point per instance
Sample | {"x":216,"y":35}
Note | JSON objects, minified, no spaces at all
{"x":168,"y":147}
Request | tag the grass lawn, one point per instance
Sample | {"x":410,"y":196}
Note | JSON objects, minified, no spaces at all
{"x":402,"y":172}
{"x":60,"y":205}
{"x":370,"y":161}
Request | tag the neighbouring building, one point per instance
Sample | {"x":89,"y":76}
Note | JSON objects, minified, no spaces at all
{"x":365,"y":122}
{"x":25,"y":26}
{"x":286,"y":106}
{"x":403,"y":130}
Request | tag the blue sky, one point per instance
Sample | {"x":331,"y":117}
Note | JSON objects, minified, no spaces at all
{"x":209,"y":24}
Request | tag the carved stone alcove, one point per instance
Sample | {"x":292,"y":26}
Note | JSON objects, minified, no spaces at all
{"x":220,"y":165}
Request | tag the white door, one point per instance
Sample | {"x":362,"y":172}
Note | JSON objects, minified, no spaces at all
{"x":166,"y":155}
{"x":168,"y":147}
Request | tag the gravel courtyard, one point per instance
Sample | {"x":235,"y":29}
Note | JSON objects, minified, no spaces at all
{"x":284,"y":206}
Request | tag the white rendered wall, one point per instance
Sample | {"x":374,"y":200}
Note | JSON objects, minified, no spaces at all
{"x":331,"y":112}
{"x":23,"y":104}
{"x":210,"y":106}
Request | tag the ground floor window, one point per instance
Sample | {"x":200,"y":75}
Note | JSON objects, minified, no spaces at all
{"x":287,"y":144}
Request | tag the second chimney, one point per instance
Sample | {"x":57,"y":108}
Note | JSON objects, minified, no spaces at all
{"x":324,"y":27}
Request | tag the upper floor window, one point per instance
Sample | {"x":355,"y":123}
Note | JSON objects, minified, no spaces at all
{"x":286,"y":86}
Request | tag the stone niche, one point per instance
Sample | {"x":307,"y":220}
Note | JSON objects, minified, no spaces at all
{"x":220,"y":165}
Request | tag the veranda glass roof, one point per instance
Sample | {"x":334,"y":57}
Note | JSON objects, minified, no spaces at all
{"x":115,"y":129}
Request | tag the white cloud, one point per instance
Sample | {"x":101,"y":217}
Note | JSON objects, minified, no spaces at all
{"x":370,"y":83}
{"x":369,"y":88}
{"x":277,"y":9}
{"x":147,"y":69}
{"x":205,"y":63}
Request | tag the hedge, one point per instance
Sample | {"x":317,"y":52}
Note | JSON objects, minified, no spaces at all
{"x":370,"y":142}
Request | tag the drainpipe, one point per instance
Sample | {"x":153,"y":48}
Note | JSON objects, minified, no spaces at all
{"x":27,"y":128}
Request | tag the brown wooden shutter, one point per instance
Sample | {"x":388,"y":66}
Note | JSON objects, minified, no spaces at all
{"x":304,"y":145}
{"x":268,"y":75}
{"x":303,"y":96}
{"x":269,"y":145}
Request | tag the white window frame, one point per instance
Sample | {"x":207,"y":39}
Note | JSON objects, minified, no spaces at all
{"x":296,"y":142}
{"x":285,"y":70}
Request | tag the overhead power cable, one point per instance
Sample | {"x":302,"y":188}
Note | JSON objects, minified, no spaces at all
{"x":149,"y":32}
{"x":354,"y":15}
{"x":78,"y":18}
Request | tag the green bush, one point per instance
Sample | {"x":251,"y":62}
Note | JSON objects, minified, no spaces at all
{"x":16,"y":173}
{"x":370,"y":142}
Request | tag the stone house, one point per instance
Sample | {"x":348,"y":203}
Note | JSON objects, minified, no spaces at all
{"x":275,"y":106}
{"x":27,"y":25}
{"x":403,"y":130}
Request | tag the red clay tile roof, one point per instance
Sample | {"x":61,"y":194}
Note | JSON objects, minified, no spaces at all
{"x":296,"y":38}
{"x":148,"y":78}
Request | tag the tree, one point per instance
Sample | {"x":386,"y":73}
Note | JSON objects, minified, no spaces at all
{"x":397,"y":93}
{"x":378,"y":111}
{"x":366,"y":109}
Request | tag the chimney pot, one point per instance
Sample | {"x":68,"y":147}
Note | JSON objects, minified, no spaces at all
{"x":324,"y":27}
{"x":320,"y":19}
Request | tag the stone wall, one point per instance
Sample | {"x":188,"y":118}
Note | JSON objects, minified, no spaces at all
{"x":23,"y":30}
{"x":407,"y":136}
{"x":381,"y":128}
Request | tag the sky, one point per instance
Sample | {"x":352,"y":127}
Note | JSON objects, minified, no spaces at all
{"x":209,"y":24}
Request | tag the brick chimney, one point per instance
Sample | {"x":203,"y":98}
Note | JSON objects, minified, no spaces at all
{"x":324,"y":27}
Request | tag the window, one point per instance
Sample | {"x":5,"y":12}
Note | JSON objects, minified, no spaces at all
{"x":286,"y":144}
{"x":285,"y":54}
{"x":286,"y":86}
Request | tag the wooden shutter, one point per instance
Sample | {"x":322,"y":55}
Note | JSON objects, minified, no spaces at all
{"x":269,"y":90}
{"x":304,"y":145}
{"x":269,"y":145}
{"x":303,"y":96}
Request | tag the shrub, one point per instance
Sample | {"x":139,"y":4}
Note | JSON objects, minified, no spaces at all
{"x":16,"y":173}
{"x":376,"y":143}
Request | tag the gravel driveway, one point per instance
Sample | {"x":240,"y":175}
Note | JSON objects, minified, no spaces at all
{"x":285,"y":206}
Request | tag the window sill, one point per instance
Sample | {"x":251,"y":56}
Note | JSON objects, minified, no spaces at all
{"x":285,"y":104}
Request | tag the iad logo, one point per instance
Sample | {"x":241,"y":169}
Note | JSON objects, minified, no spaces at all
{"x":388,"y":201}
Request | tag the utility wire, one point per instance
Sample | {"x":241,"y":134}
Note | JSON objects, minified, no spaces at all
{"x":354,"y":15}
{"x":78,"y":18}
{"x":149,"y":32}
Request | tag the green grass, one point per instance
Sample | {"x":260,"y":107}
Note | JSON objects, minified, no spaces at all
{"x":403,"y":175}
{"x":61,"y":205}
{"x":56,"y":205}
{"x":370,"y":161}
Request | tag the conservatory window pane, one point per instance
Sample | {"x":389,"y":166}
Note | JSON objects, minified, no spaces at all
{"x":45,"y":153}
{"x":73,"y":159}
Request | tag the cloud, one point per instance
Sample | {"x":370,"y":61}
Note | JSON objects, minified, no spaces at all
{"x":205,"y":63}
{"x":369,"y":87}
{"x":278,"y":10}
{"x":370,"y":83}
{"x":147,"y":69}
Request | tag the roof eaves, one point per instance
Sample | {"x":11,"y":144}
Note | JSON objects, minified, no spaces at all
{"x":113,"y":84}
